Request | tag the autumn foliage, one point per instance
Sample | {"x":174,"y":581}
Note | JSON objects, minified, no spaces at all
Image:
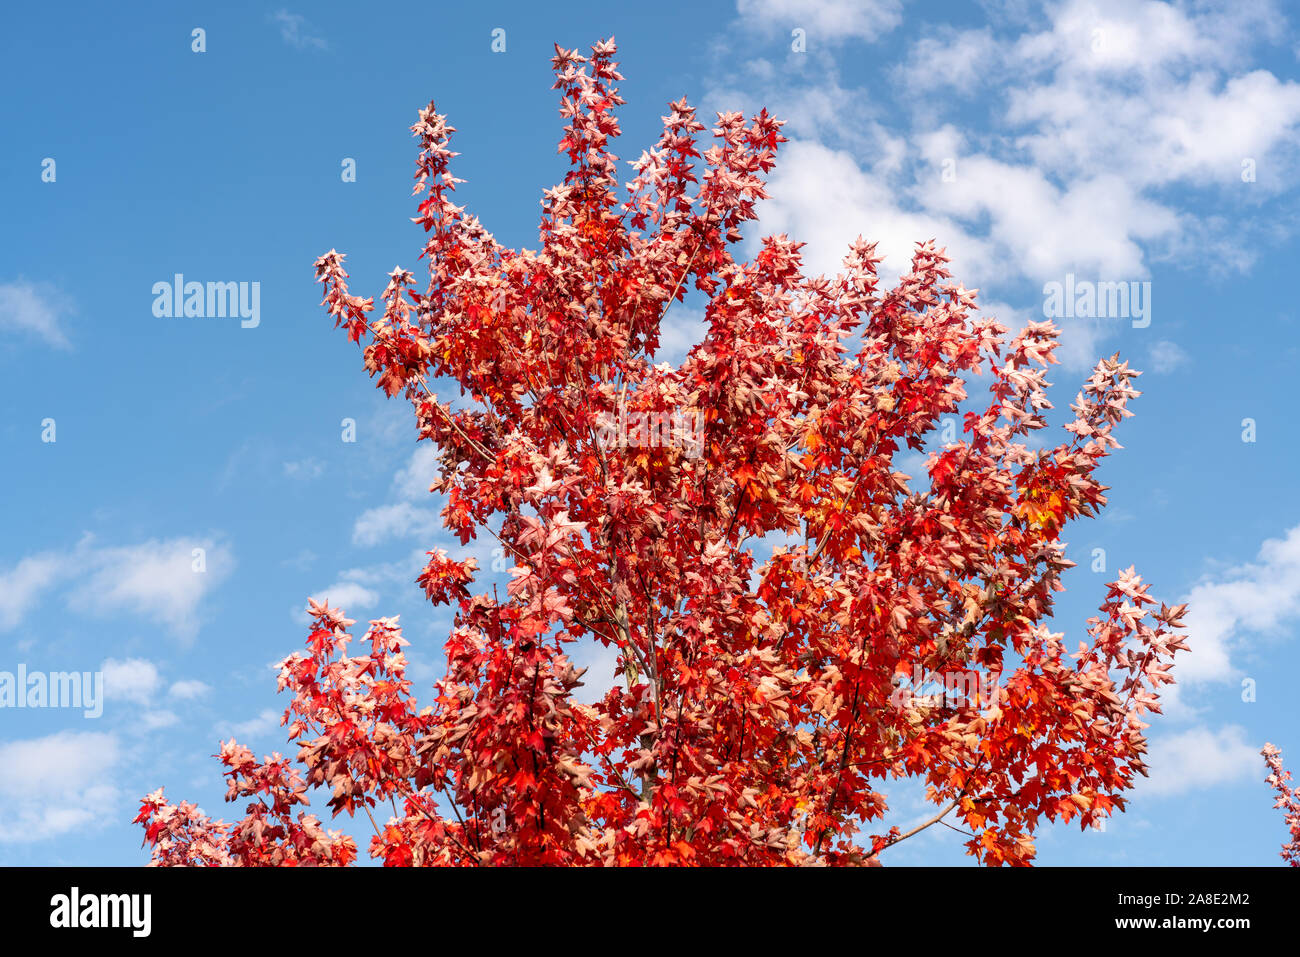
{"x":1288,"y":799}
{"x":771,"y":587}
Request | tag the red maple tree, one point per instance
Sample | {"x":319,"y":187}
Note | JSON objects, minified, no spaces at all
{"x":772,"y":585}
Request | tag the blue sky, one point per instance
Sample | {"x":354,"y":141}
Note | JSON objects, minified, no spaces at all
{"x":1128,"y":142}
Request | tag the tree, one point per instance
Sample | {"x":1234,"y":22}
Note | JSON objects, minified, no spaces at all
{"x":1288,"y":798}
{"x":777,"y":593}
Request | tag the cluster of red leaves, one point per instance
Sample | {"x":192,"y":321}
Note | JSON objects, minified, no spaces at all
{"x":754,"y":722}
{"x":1288,"y":799}
{"x":269,"y":836}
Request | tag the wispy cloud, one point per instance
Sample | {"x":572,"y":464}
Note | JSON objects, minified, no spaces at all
{"x":162,"y":581}
{"x":21,"y":587}
{"x":34,"y":309}
{"x":825,"y":21}
{"x":388,"y":522}
{"x":1031,"y":149}
{"x":156,"y":579}
{"x":1260,"y":597}
{"x":411,"y":516}
{"x":135,"y":679}
{"x":1198,"y":758}
{"x":351,"y":596}
{"x":53,"y":785}
{"x":306,"y":469}
{"x":188,"y":690}
{"x":412,"y":481}
{"x":266,"y":723}
{"x":296,"y":32}
{"x":1167,"y":356}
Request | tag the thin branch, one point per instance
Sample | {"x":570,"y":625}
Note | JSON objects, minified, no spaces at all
{"x":921,"y":827}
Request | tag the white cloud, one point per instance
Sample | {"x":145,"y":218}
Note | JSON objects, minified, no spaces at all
{"x":1257,"y":598}
{"x":155,"y":579}
{"x":351,"y":596}
{"x":1153,"y":92}
{"x":1198,"y":758}
{"x":830,"y":21}
{"x":1155,"y":37}
{"x":387,"y":522}
{"x":189,"y":690}
{"x":348,"y":595}
{"x":820,"y":196}
{"x":153,"y":720}
{"x":358,"y":589}
{"x":1167,"y":356}
{"x":34,"y":309}
{"x":817,"y":107}
{"x":21,"y":586}
{"x":1068,"y":134}
{"x":294,"y":30}
{"x":412,"y":481}
{"x":405,"y":518}
{"x":1197,"y":131}
{"x":1095,"y":225}
{"x":400,"y":572}
{"x":265,"y":724}
{"x":948,"y":60}
{"x":134,"y":679}
{"x":56,"y":784}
